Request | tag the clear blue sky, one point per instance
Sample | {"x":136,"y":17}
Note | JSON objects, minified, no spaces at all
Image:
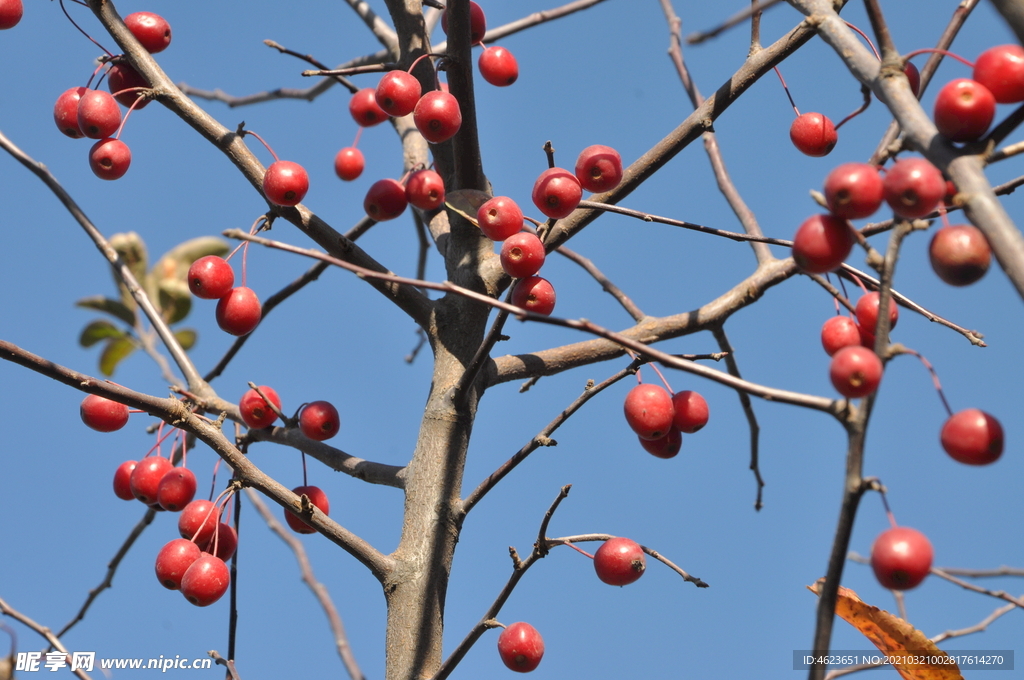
{"x":601,"y":76}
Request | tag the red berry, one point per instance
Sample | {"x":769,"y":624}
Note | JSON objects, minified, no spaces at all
{"x":205,"y":581}
{"x":397,"y":93}
{"x":839,"y":332}
{"x":964,"y":109}
{"x":318,"y":498}
{"x":364,"y":108}
{"x":499,"y":218}
{"x":599,"y":168}
{"x":498,"y":66}
{"x":522,"y":255}
{"x":855,"y":372}
{"x":425,"y":189}
{"x":913,"y":187}
{"x":619,"y":561}
{"x":914,"y":76}
{"x":122,"y":480}
{"x":349,"y":163}
{"x":239,"y":312}
{"x":11,"y":12}
{"x":226,"y":540}
{"x":477,"y":23}
{"x":960,"y":254}
{"x":557,"y":192}
{"x":853,"y":190}
{"x":145,"y":478}
{"x":813,"y":134}
{"x":437,"y":116}
{"x":319,"y":420}
{"x":973,"y":437}
{"x":385,"y":200}
{"x":177,"y":488}
{"x":65,"y":112}
{"x":150,"y":29}
{"x":255,"y":412}
{"x":901,"y":557}
{"x":210,"y":277}
{"x":198,"y":521}
{"x":691,"y":411}
{"x":173,"y":561}
{"x":821,"y":243}
{"x":285,"y":183}
{"x":102,"y":414}
{"x":649,"y":411}
{"x":98,"y":114}
{"x":534,"y":294}
{"x":521,"y":647}
{"x":122,"y":76}
{"x":665,"y":447}
{"x":110,"y":159}
{"x":867,"y":311}
{"x":1001,"y":70}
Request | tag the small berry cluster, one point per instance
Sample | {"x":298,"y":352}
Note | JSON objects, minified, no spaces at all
{"x":238,"y":308}
{"x":83,"y":112}
{"x":660,"y":419}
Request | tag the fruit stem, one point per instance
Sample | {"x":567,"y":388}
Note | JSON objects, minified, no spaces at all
{"x":250,"y":132}
{"x":213,"y":482}
{"x":578,"y":549}
{"x":935,"y":378}
{"x":786,"y":88}
{"x":885,"y":504}
{"x":63,"y":9}
{"x":159,"y":441}
{"x":550,"y":151}
{"x":929,"y":50}
{"x":866,"y":91}
{"x":117,"y":135}
{"x":359,"y":133}
{"x":870,"y":44}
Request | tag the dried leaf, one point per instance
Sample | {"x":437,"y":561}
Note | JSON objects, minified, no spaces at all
{"x":98,"y":330}
{"x":466,"y":202}
{"x":893,"y":636}
{"x":116,"y":350}
{"x":112,"y":307}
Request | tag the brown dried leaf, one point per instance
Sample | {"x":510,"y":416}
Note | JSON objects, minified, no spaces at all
{"x":892,"y":635}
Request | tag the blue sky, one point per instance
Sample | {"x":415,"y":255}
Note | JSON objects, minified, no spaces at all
{"x":601,"y":76}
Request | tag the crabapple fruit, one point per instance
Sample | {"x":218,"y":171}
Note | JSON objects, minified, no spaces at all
{"x":498,"y":66}
{"x":619,"y":561}
{"x":964,"y":109}
{"x":534,"y":294}
{"x":665,"y":447}
{"x":102,"y":414}
{"x":151,"y":30}
{"x":522,"y":255}
{"x":853,"y":190}
{"x":520,"y":647}
{"x":556,"y":193}
{"x":425,"y":189}
{"x":599,"y":168}
{"x":349,"y":163}
{"x":256,"y":412}
{"x":499,"y":218}
{"x":210,"y":277}
{"x":206,"y":580}
{"x":285,"y":183}
{"x":813,"y":134}
{"x":226,"y":540}
{"x":318,"y":498}
{"x":1001,"y":70}
{"x":239,"y":312}
{"x":11,"y":12}
{"x":122,"y":480}
{"x":173,"y":561}
{"x":649,"y":411}
{"x":437,"y":116}
{"x":477,"y":23}
{"x":973,"y":437}
{"x":959,"y":254}
{"x":839,"y":332}
{"x":821,"y":243}
{"x":177,"y":488}
{"x":319,"y":420}
{"x":867,"y":311}
{"x":65,"y":112}
{"x":913,"y":187}
{"x":901,"y":557}
{"x":145,"y":478}
{"x":385,"y":200}
{"x":855,"y":371}
{"x":691,"y":411}
{"x":98,"y":114}
{"x":121,"y":79}
{"x":397,"y":93}
{"x":198,"y":521}
{"x":364,"y":108}
{"x":110,"y":159}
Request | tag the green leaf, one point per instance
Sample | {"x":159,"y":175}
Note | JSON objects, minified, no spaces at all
{"x":132,"y":250}
{"x":112,"y":307}
{"x":99,"y":330}
{"x":175,"y":300}
{"x":186,"y":337}
{"x":116,"y":350}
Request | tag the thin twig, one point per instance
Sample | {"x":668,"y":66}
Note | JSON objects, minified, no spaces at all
{"x":54,"y":640}
{"x":318,"y":589}
{"x":112,"y":566}
{"x":606,"y":283}
{"x":227,"y":663}
{"x":738,"y":18}
{"x":748,"y":410}
{"x":348,"y":84}
{"x":542,"y":438}
{"x":984,"y":573}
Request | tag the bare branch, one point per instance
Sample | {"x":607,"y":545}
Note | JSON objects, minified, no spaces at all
{"x":583,"y":538}
{"x":318,"y":589}
{"x":112,"y":566}
{"x":606,"y":284}
{"x":308,"y":58}
{"x":227,"y":663}
{"x":384,"y":33}
{"x":984,"y":573}
{"x":530,"y":20}
{"x":54,"y":640}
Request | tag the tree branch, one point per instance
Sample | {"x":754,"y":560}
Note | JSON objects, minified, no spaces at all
{"x":54,"y":640}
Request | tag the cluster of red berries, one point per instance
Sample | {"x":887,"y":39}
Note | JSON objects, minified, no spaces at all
{"x":618,"y":562}
{"x":82,"y":112}
{"x":195,"y":564}
{"x":497,"y":65}
{"x":660,"y":419}
{"x":965,"y":107}
{"x":238,"y":308}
